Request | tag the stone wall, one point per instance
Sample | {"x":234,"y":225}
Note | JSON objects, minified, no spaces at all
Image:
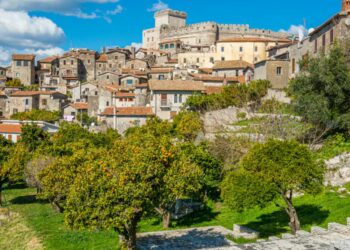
{"x":338,"y":170}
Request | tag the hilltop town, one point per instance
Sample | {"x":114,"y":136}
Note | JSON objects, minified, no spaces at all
{"x":176,"y":60}
{"x":208,"y":136}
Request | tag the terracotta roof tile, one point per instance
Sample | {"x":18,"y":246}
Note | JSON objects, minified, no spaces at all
{"x":179,"y":85}
{"x":128,"y":111}
{"x":25,"y":57}
{"x":80,"y":105}
{"x":161,"y":70}
{"x":209,"y":90}
{"x":49,"y":59}
{"x":234,"y":64}
{"x":125,"y":94}
{"x":206,"y":70}
{"x":32,"y":93}
{"x":103,"y":58}
{"x":205,"y":77}
{"x":11,"y":128}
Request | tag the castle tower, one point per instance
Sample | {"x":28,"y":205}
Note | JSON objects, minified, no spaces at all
{"x":172,"y":18}
{"x":345,"y":5}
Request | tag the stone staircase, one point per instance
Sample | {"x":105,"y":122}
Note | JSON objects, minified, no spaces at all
{"x":335,"y":237}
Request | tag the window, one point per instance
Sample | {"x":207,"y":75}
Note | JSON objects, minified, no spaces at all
{"x":110,"y":66}
{"x":15,"y":111}
{"x":132,"y":66}
{"x":293,"y":65}
{"x":237,"y":72}
{"x":324,"y":40}
{"x":172,"y":46}
{"x":107,"y":77}
{"x":129,"y":81}
{"x":72,"y":62}
{"x":212,"y":59}
{"x":222,"y":58}
{"x":18,"y":63}
{"x":175,"y":98}
{"x":96,"y":92}
{"x":64,"y":62}
{"x":121,"y":99}
{"x":255,"y":59}
{"x":315,"y":46}
{"x":279,"y":71}
{"x":9,"y":137}
{"x":166,"y":46}
{"x":1,"y":114}
{"x":130,"y":99}
{"x":72,"y":113}
{"x":180,"y":98}
{"x":331,"y":36}
{"x":116,"y":57}
{"x":222,"y":49}
{"x":18,"y":74}
{"x":197,"y":60}
{"x":107,"y":104}
{"x":161,"y":46}
{"x":44,"y":102}
{"x":256,"y":49}
{"x":26,"y":101}
{"x":185,"y":60}
{"x":100,"y":65}
{"x":240,"y":49}
{"x":25,"y":63}
{"x":161,"y":77}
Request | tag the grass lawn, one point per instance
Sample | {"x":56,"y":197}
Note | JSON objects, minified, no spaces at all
{"x":49,"y":228}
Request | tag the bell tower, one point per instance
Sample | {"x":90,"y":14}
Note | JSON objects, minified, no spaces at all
{"x":345,"y":5}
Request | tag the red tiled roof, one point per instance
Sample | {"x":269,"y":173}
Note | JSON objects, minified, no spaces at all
{"x":32,"y":93}
{"x":233,"y":64}
{"x":11,"y":128}
{"x":125,"y":94}
{"x":209,"y":90}
{"x":161,"y":70}
{"x":206,"y":70}
{"x":49,"y":59}
{"x":102,"y":58}
{"x":112,"y":88}
{"x":25,"y":57}
{"x":205,"y":77}
{"x":175,"y":85}
{"x":80,"y":105}
{"x":128,"y":111}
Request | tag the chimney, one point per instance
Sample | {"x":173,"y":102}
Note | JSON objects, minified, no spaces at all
{"x":133,"y":52}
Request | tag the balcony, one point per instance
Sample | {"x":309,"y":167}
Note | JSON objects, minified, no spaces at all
{"x":70,"y":76}
{"x":165,"y":104}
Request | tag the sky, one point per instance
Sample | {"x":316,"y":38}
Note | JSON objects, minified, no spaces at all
{"x":50,"y":27}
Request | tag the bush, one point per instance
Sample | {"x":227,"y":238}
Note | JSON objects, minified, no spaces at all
{"x":38,"y":115}
{"x":233,"y":95}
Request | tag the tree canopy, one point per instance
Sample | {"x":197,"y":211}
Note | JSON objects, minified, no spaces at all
{"x":273,"y":171}
{"x":321,"y":92}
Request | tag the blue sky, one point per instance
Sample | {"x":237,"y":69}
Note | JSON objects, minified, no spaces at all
{"x":50,"y":26}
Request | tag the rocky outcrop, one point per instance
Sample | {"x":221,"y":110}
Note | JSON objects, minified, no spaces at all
{"x":338,"y":170}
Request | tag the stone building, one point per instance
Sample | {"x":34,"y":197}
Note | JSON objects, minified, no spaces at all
{"x":230,"y":68}
{"x":161,"y":73}
{"x":108,"y":77}
{"x":23,"y":68}
{"x":3,"y":77}
{"x":69,"y":69}
{"x":321,"y":39}
{"x":122,"y":118}
{"x":3,"y":105}
{"x":167,"y":97}
{"x":48,"y":71}
{"x":138,"y":64}
{"x":172,"y":33}
{"x":276,"y":71}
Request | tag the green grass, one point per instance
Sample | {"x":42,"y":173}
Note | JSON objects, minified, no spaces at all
{"x":48,"y":226}
{"x":333,"y":146}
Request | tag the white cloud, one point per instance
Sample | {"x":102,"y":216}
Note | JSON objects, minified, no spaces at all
{"x":158,"y":6}
{"x":297,"y":30}
{"x":133,"y":44}
{"x":64,"y":7}
{"x":22,"y":33}
{"x":19,"y":30}
{"x":117,"y":10}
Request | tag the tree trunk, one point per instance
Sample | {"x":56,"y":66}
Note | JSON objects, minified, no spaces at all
{"x":166,"y":219}
{"x":0,"y":194}
{"x":294,"y":222}
{"x":131,"y":237}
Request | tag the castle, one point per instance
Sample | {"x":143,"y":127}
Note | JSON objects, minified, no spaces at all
{"x":170,"y":25}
